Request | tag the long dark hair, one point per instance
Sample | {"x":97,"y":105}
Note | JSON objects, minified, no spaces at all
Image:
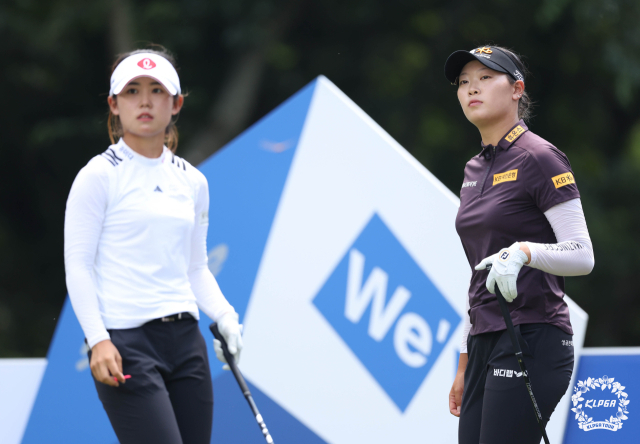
{"x":113,"y":122}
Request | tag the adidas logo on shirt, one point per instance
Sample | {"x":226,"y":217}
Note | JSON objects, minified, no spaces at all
{"x":158,"y":189}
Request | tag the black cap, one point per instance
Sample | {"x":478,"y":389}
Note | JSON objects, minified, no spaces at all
{"x":489,"y":56}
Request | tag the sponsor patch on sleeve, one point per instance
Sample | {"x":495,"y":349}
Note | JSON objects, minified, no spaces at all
{"x":563,"y":179}
{"x":507,"y":176}
{"x":514,"y":133}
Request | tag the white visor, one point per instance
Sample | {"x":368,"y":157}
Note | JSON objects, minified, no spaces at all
{"x":145,"y":64}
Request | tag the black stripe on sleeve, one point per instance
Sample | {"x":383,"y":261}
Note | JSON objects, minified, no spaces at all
{"x":106,"y":156}
{"x":112,"y":157}
{"x":114,"y":154}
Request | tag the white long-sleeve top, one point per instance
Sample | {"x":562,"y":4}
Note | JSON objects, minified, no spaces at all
{"x":135,"y":242}
{"x":572,"y":255}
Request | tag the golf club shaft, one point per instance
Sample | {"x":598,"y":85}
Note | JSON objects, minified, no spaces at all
{"x":518,"y":350}
{"x":241,"y":382}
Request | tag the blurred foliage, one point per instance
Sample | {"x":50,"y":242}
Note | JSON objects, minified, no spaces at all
{"x":387,"y":56}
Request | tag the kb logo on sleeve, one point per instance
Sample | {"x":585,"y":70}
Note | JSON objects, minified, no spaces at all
{"x":563,"y":179}
{"x":387,"y":311}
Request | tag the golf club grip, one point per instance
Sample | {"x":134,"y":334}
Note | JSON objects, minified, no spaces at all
{"x":231,"y":361}
{"x":241,"y":382}
{"x":507,"y":320}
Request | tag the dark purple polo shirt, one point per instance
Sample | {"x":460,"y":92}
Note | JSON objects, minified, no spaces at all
{"x":505,"y":192}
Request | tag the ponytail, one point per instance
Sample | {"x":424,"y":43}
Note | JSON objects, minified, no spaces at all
{"x":525,"y":104}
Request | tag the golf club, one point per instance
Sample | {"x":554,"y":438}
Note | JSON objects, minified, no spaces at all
{"x":516,"y":346}
{"x":241,"y":382}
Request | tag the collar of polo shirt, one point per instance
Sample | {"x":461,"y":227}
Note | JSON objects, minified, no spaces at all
{"x":508,"y":139}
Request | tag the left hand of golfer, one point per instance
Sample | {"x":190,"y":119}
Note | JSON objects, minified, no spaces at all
{"x":231,"y":331}
{"x":505,"y":266}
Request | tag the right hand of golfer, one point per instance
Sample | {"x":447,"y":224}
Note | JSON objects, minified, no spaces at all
{"x":106,"y":363}
{"x":231,"y":331}
{"x":455,"y":395}
{"x":505,"y":267}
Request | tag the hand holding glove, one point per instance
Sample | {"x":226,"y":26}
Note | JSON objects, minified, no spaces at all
{"x":505,"y":266}
{"x":231,"y":331}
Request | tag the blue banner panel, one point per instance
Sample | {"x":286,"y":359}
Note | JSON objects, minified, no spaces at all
{"x":601,"y":407}
{"x":67,"y":408}
{"x":234,"y":423}
{"x":246,"y":179}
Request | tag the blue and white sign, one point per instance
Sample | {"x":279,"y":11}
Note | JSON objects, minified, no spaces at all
{"x":614,"y":402}
{"x":354,"y":320}
{"x":387,"y":311}
{"x":603,"y":397}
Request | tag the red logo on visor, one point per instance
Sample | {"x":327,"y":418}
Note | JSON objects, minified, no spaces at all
{"x":146,"y":63}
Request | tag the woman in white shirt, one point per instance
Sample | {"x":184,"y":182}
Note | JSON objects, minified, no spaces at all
{"x":136,"y":264}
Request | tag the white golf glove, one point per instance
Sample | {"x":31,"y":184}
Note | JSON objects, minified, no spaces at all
{"x":505,"y":266}
{"x":231,"y":331}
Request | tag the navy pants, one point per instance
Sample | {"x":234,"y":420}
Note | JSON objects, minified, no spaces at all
{"x":169,"y":398}
{"x":496,"y":407}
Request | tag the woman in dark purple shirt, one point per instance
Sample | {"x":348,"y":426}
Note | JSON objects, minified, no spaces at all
{"x":520,"y":212}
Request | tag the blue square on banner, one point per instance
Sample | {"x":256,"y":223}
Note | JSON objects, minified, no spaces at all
{"x":387,"y":310}
{"x":602,"y":409}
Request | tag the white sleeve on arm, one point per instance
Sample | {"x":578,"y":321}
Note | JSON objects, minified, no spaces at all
{"x":204,"y":286}
{"x":467,"y":322}
{"x":466,"y":329}
{"x":573,"y":254}
{"x":83,"y":219}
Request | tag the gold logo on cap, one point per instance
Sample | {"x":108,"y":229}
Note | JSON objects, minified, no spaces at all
{"x":507,"y":176}
{"x":485,"y":50}
{"x":514,"y":133}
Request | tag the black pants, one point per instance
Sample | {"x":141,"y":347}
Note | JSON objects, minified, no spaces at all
{"x":496,"y":408}
{"x":169,"y":398}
